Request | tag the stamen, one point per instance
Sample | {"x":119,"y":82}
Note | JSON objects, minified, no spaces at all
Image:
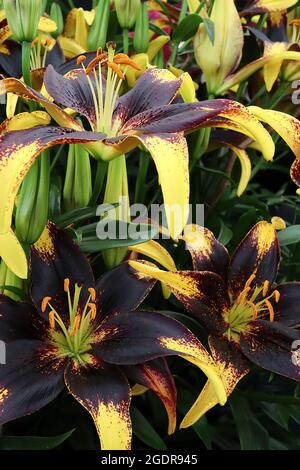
{"x":99,"y":51}
{"x":44,"y":303}
{"x":52,"y":319}
{"x":249,"y":282}
{"x":271,"y":310}
{"x":243,"y":294}
{"x":254,"y":309}
{"x":95,"y":62}
{"x":80,"y":59}
{"x":116,"y":69}
{"x":47,"y":43}
{"x":92,"y":292}
{"x":93,"y":310}
{"x":66,"y":284}
{"x":276,"y":294}
{"x":35,"y":41}
{"x":127,"y":61}
{"x":265,"y":288}
{"x":76,"y":325}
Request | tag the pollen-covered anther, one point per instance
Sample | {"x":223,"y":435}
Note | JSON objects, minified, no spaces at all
{"x":116,"y":69}
{"x":80,"y":59}
{"x":47,"y":43}
{"x":66,"y":284}
{"x":99,"y":58}
{"x":276,"y":295}
{"x":250,"y":280}
{"x":271,"y":310}
{"x":127,"y":61}
{"x":254,"y":309}
{"x":92,"y":293}
{"x":93,"y":310}
{"x":265,"y":288}
{"x":243,"y":294}
{"x":76,"y":325}
{"x":35,"y":41}
{"x":52,"y":319}
{"x":45,"y":303}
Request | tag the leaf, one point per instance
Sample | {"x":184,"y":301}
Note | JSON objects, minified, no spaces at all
{"x":144,"y":430}
{"x":290,"y":235}
{"x":187,"y":28}
{"x":33,"y":442}
{"x":252,"y":435}
{"x":15,"y":290}
{"x":225,"y":234}
{"x":210,"y":29}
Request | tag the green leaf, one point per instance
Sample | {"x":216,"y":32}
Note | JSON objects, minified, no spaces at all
{"x":33,"y":442}
{"x":15,"y":290}
{"x":187,"y":28}
{"x":210,"y":29}
{"x":225,"y":234}
{"x":252,"y":435}
{"x":157,"y":30}
{"x":290,"y":235}
{"x":144,"y":430}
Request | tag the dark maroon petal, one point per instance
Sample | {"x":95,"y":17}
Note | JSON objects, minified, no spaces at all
{"x":129,"y":338}
{"x":121,"y":289}
{"x":71,"y":64}
{"x":19,"y":320}
{"x":181,"y":117}
{"x":157,"y":376}
{"x":257,"y":254}
{"x":156,"y":87}
{"x":31,"y":378}
{"x":273,"y":347}
{"x":55,"y":257}
{"x":287,"y":310}
{"x":104,"y":391}
{"x":295,"y":172}
{"x":11,"y":65}
{"x":208,"y":254}
{"x":55,"y":57}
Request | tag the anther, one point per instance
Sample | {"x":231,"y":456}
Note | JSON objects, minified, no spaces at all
{"x":66,"y":284}
{"x":276,"y":294}
{"x":99,"y":51}
{"x":116,"y":69}
{"x":95,"y":62}
{"x":250,"y":280}
{"x":76,"y":325}
{"x":47,"y":43}
{"x":271,"y":310}
{"x":52,"y":319}
{"x":265,"y":288}
{"x":127,"y":61}
{"x":243,"y":294}
{"x":44,"y":303}
{"x":92,"y":293}
{"x":35,"y":41}
{"x":80,"y":59}
{"x":254,"y":309}
{"x":93,"y":310}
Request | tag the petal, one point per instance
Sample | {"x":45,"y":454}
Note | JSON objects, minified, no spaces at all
{"x":233,"y":366}
{"x":182,"y":117}
{"x":55,"y":257}
{"x":72,"y":91}
{"x":19,"y":320}
{"x":156,"y":87}
{"x":104,"y":392}
{"x":71,"y":64}
{"x":129,"y":338}
{"x":12,"y":85}
{"x":295,"y":172}
{"x":270,"y":346}
{"x":272,"y":68}
{"x":287,"y":310}
{"x":11,"y":64}
{"x":171,"y":157}
{"x":31,"y":378}
{"x":258,"y":254}
{"x":156,"y":252}
{"x":156,"y":376}
{"x":25,"y":121}
{"x":112,"y":286}
{"x":208,"y":254}
{"x":12,"y":253}
{"x":203,"y":294}
{"x":288,"y":127}
{"x":266,"y":6}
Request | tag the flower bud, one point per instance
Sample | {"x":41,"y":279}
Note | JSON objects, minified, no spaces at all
{"x":141,"y":32}
{"x":57,"y":16}
{"x":78,"y":183}
{"x":127,"y":11}
{"x":219,"y":59}
{"x":23,"y":17}
{"x":11,"y":281}
{"x":98,"y":31}
{"x":32,"y":202}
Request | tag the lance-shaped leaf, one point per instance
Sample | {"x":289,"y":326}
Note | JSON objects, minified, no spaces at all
{"x":104,"y":391}
{"x":233,"y":367}
{"x":128,"y":338}
{"x":18,"y":151}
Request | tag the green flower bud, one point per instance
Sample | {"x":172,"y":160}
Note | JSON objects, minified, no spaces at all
{"x":127,"y":11}
{"x":57,"y":16}
{"x":98,"y":31}
{"x":32,"y":205}
{"x":23,"y":17}
{"x":141,"y":32}
{"x":78,"y":183}
{"x":11,"y":281}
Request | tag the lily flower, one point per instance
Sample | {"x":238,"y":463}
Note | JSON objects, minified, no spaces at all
{"x":86,"y":337}
{"x":248,"y":317}
{"x":145,"y":115}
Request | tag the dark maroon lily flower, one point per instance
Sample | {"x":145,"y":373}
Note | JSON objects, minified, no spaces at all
{"x":88,"y":338}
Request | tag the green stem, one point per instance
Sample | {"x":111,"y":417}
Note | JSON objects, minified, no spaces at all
{"x":57,"y":156}
{"x":174,"y":53}
{"x":140,"y":191}
{"x":99,"y":180}
{"x":26,"y":52}
{"x":125,"y":41}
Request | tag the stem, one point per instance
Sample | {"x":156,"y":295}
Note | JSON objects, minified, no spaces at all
{"x":140,"y":191}
{"x":125,"y":41}
{"x":57,"y":156}
{"x":99,"y":180}
{"x":26,"y":52}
